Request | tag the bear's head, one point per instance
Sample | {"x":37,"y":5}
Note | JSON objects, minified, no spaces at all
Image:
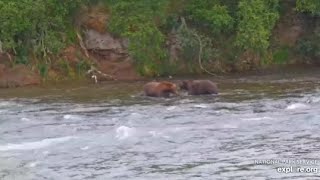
{"x":185,"y":84}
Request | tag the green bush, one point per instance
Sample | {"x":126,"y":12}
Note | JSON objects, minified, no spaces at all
{"x":256,"y":19}
{"x":43,"y":70}
{"x":209,"y":14}
{"x":35,"y":25}
{"x":312,"y":6}
{"x":189,"y":40}
{"x":281,"y":55}
{"x":139,"y":21}
{"x":309,"y":47}
{"x":40,"y":29}
{"x":82,"y":67}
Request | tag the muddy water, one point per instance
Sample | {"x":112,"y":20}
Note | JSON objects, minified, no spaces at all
{"x":108,"y":131}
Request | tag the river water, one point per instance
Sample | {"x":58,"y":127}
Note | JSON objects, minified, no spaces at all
{"x":109,"y":131}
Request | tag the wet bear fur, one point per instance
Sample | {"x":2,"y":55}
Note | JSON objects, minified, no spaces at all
{"x":199,"y":87}
{"x":160,"y":89}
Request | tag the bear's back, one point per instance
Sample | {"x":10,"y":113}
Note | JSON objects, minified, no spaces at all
{"x":203,"y":87}
{"x":150,"y":89}
{"x":160,"y":89}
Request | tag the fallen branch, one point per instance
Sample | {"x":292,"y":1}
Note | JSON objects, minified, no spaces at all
{"x":82,"y":44}
{"x":199,"y":56}
{"x":184,"y":24}
{"x":10,"y":58}
{"x":93,"y":70}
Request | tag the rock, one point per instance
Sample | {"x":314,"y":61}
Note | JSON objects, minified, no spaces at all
{"x":111,"y":55}
{"x":105,"y":47}
{"x":95,"y":40}
{"x":18,"y":76}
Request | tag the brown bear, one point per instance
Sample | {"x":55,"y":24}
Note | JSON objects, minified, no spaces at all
{"x":160,"y":89}
{"x":198,"y":87}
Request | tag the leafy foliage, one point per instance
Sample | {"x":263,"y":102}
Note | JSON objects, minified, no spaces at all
{"x":209,"y":13}
{"x":256,"y":21}
{"x":281,"y":55}
{"x":309,"y":47}
{"x":35,"y":25}
{"x":312,"y":6}
{"x":188,"y":38}
{"x":40,"y":29}
{"x":139,"y":21}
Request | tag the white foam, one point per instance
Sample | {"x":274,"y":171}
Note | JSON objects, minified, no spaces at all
{"x":135,"y":114}
{"x":200,"y":106}
{"x":153,"y":133}
{"x":176,"y":129}
{"x":171,"y":108}
{"x":35,"y":145}
{"x":33,"y":164}
{"x":297,"y":106}
{"x":229,"y":126}
{"x":184,"y":101}
{"x":124,"y":132}
{"x":315,"y":99}
{"x":85,"y":148}
{"x":25,"y":119}
{"x":256,"y":118}
{"x":158,"y":134}
{"x":71,"y":117}
{"x":7,"y":103}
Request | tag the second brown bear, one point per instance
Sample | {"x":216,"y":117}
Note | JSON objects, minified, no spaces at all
{"x":198,"y":87}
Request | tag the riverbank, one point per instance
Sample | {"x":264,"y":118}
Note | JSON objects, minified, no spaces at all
{"x":21,"y":76}
{"x":270,"y":82}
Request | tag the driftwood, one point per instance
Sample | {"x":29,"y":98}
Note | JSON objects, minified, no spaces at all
{"x":94,"y":72}
{"x":10,"y":58}
{"x":82,"y":45}
{"x":184,"y":24}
